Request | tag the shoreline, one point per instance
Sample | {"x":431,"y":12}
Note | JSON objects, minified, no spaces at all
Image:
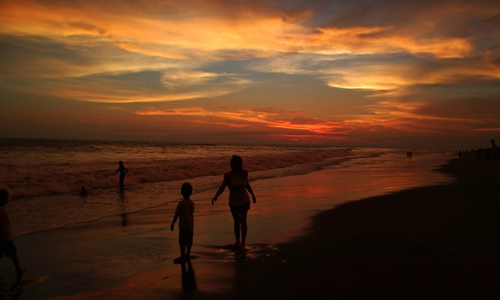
{"x":110,"y":253}
{"x":138,"y":189}
{"x":431,"y":241}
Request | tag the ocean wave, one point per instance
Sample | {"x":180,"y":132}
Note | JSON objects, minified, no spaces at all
{"x":30,"y":180}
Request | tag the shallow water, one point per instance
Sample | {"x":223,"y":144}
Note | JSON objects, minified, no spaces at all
{"x":44,"y":176}
{"x":129,"y":254}
{"x":31,"y":168}
{"x":286,"y":204}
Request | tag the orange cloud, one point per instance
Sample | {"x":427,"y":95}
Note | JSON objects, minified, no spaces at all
{"x":258,"y":117}
{"x":308,"y":137}
{"x":405,"y":117}
{"x":200,"y":34}
{"x":187,"y":34}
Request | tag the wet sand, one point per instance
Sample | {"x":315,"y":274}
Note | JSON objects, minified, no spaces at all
{"x":439,"y":239}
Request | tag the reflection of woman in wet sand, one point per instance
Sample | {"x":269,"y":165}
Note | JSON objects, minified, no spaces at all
{"x":123,"y":171}
{"x":239,"y":202}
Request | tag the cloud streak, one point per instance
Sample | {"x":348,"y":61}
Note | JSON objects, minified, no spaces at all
{"x":260,"y":117}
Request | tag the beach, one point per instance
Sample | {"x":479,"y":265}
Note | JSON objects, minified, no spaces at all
{"x":439,"y":241}
{"x":393,"y":228}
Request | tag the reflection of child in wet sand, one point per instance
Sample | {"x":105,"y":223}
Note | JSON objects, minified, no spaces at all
{"x":7,"y":246}
{"x":123,"y":171}
{"x":184,"y":211}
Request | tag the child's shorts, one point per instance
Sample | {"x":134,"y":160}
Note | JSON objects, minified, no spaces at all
{"x":8,"y":249}
{"x":186,"y":236}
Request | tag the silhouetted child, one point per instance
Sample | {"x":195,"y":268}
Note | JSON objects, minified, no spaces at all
{"x":7,"y":246}
{"x":184,"y":211}
{"x":123,"y":171}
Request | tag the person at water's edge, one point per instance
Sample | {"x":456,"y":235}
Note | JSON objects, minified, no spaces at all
{"x":239,"y":202}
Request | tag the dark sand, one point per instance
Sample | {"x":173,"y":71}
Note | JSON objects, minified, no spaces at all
{"x":436,"y":241}
{"x":430,"y":242}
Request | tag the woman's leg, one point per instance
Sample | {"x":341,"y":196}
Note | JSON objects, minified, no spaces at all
{"x":244,"y":228}
{"x":236,"y":219}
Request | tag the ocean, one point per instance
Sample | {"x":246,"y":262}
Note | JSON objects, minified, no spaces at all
{"x":44,"y":177}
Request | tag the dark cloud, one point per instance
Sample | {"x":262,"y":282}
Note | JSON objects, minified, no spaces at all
{"x":495,"y":20}
{"x":468,"y":88}
{"x":477,"y":109}
{"x":88,"y":26}
{"x":35,"y":56}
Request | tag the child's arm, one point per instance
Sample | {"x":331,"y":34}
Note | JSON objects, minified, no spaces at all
{"x":116,"y":172}
{"x":221,"y":189}
{"x":126,"y":170}
{"x":173,"y":221}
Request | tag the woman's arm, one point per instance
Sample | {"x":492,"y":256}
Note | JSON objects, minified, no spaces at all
{"x":219,"y":191}
{"x":249,"y":188}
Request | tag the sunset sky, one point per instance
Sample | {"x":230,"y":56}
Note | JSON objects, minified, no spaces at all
{"x":359,"y":72}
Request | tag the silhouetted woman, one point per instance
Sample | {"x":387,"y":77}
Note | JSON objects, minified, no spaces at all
{"x":123,"y":171}
{"x":239,"y":202}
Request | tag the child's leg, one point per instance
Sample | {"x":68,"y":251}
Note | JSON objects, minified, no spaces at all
{"x":183,"y":249}
{"x":12,"y":252}
{"x":15,"y":260}
{"x":236,"y":219}
{"x":181,"y":259}
{"x":182,"y":242}
{"x":244,"y":228}
{"x":189,"y":243}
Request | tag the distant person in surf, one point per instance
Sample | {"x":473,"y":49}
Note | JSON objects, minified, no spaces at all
{"x":7,"y":246}
{"x":185,"y":214}
{"x":123,"y":171}
{"x":83,"y":192}
{"x":239,"y":202}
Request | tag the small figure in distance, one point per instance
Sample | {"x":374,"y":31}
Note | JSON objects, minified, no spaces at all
{"x":123,"y":171}
{"x":83,"y":192}
{"x":7,"y":246}
{"x":184,"y":211}
{"x":239,"y":202}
